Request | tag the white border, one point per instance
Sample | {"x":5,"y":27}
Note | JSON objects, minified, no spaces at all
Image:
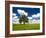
{"x":25,"y":31}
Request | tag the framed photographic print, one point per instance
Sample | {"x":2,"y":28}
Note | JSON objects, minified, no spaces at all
{"x":24,"y":18}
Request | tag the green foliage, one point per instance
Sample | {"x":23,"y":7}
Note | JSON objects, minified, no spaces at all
{"x":23,"y":19}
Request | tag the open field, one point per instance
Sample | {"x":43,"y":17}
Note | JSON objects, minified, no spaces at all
{"x":26,"y":27}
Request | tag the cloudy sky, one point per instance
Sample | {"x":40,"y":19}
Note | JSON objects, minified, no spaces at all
{"x":32,"y":13}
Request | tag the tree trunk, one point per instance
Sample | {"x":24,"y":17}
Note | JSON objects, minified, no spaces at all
{"x":24,"y":22}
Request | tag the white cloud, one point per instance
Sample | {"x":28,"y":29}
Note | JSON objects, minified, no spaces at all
{"x":26,"y":13}
{"x":29,"y":17}
{"x":13,"y":14}
{"x":36,"y":15}
{"x":36,"y":21}
{"x":15,"y":20}
{"x":22,"y":12}
{"x":15,"y":17}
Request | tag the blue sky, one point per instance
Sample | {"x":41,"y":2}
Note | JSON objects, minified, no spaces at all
{"x":30,"y":11}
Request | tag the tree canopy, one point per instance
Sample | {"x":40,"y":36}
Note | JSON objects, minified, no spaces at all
{"x":23,"y":19}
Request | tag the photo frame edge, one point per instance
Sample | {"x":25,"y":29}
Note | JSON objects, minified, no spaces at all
{"x":7,"y":16}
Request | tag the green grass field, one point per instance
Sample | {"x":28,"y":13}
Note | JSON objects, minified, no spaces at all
{"x":26,"y":27}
